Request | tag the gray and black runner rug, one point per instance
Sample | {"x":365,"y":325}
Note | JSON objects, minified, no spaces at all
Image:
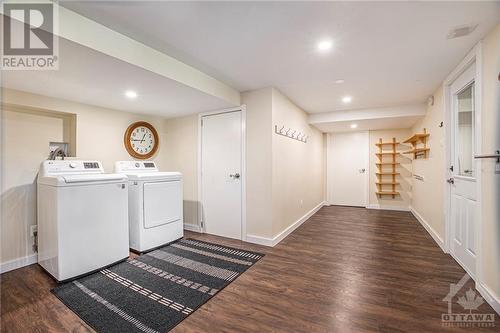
{"x":155,"y":291}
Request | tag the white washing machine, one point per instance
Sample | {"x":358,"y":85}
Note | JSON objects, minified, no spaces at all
{"x":82,"y":218}
{"x":155,"y":205}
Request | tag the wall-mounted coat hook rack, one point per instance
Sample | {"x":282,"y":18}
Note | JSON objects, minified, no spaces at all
{"x":291,"y":134}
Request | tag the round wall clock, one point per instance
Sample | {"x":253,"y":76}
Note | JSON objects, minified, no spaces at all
{"x":141,"y":140}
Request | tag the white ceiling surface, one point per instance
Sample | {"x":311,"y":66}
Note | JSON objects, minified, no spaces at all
{"x":90,"y":77}
{"x":388,"y":53}
{"x":369,"y":119}
{"x":368,"y":124}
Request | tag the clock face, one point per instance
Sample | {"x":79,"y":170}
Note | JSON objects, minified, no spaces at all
{"x":141,"y":140}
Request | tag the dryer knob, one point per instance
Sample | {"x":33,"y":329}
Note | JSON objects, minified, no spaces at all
{"x":72,"y":165}
{"x":137,"y":165}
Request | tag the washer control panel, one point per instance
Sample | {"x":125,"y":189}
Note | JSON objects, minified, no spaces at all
{"x":72,"y":166}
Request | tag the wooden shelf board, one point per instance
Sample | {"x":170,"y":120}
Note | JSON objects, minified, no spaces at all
{"x":387,"y":183}
{"x":387,"y":144}
{"x":388,"y":163}
{"x":387,"y":153}
{"x":416,"y":137}
{"x":387,"y":193}
{"x":386,"y":173}
{"x":416,"y":151}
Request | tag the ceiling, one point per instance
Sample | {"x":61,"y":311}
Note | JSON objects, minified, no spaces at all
{"x":388,"y":53}
{"x":368,"y":124}
{"x":90,"y":77}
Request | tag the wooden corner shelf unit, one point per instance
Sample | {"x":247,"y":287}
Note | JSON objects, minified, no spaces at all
{"x":386,"y":178}
{"x":414,"y":140}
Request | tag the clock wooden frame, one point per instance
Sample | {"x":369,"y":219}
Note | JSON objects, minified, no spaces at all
{"x":128,"y":145}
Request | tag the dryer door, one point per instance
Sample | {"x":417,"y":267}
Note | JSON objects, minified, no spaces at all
{"x":162,"y":203}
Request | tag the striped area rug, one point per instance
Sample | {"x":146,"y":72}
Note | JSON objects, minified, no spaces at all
{"x":155,"y":291}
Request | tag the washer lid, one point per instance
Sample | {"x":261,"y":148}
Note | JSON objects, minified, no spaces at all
{"x":149,"y":176}
{"x":82,"y":179}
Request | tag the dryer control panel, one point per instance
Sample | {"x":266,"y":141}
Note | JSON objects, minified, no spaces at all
{"x":135,"y":166}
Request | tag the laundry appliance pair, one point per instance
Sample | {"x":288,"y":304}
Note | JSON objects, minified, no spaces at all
{"x":88,"y":219}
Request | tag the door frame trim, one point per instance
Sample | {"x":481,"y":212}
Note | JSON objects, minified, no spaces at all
{"x":474,"y":56}
{"x":329,"y":161}
{"x":243,"y":178}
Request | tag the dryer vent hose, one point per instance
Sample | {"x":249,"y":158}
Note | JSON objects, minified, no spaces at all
{"x":58,"y":152}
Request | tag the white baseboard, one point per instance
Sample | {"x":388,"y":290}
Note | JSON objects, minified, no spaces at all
{"x":384,"y":207}
{"x":192,"y":227}
{"x":279,"y":237}
{"x":260,"y":240}
{"x":429,"y":229}
{"x":18,"y":263}
{"x":489,"y":296}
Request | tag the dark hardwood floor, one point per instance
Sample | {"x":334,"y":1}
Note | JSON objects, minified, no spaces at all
{"x":344,"y":270}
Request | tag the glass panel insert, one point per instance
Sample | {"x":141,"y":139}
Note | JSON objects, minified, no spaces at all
{"x":465,"y":131}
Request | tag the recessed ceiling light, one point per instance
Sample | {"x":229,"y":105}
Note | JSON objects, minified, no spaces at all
{"x":354,"y":125}
{"x":130,"y":94}
{"x":339,"y":81}
{"x":346,"y":99}
{"x":325,"y":45}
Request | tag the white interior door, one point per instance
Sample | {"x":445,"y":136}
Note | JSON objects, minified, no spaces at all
{"x":462,"y":182}
{"x":221,"y":174}
{"x":348,"y":168}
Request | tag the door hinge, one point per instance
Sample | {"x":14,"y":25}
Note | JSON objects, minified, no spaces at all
{"x":451,"y":168}
{"x":201,"y":224}
{"x":201,"y":122}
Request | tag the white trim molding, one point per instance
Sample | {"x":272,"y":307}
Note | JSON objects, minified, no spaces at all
{"x":18,"y":263}
{"x":439,"y":241}
{"x":192,"y":227}
{"x":489,"y":296}
{"x":384,"y":207}
{"x":260,"y":240}
{"x":279,"y":237}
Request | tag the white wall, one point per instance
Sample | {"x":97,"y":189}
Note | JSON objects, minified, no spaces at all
{"x":25,"y":139}
{"x":181,"y":154}
{"x":259,"y":161}
{"x":490,"y":180}
{"x":298,"y":169}
{"x":428,"y":195}
{"x":99,"y":135}
{"x":275,"y":166}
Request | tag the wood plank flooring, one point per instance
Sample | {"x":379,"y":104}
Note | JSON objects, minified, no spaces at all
{"x":344,"y":270}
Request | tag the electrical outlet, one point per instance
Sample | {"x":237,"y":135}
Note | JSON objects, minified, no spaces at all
{"x":33,"y":230}
{"x":301,"y":202}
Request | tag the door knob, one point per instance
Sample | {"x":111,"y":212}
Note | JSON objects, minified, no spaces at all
{"x":235,"y":176}
{"x":362,"y":170}
{"x":451,"y":180}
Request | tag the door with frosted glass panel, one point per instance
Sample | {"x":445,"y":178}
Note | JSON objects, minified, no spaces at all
{"x":463,"y":194}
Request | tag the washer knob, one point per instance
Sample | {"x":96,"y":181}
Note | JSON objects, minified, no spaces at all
{"x":72,"y":165}
{"x":137,"y":165}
